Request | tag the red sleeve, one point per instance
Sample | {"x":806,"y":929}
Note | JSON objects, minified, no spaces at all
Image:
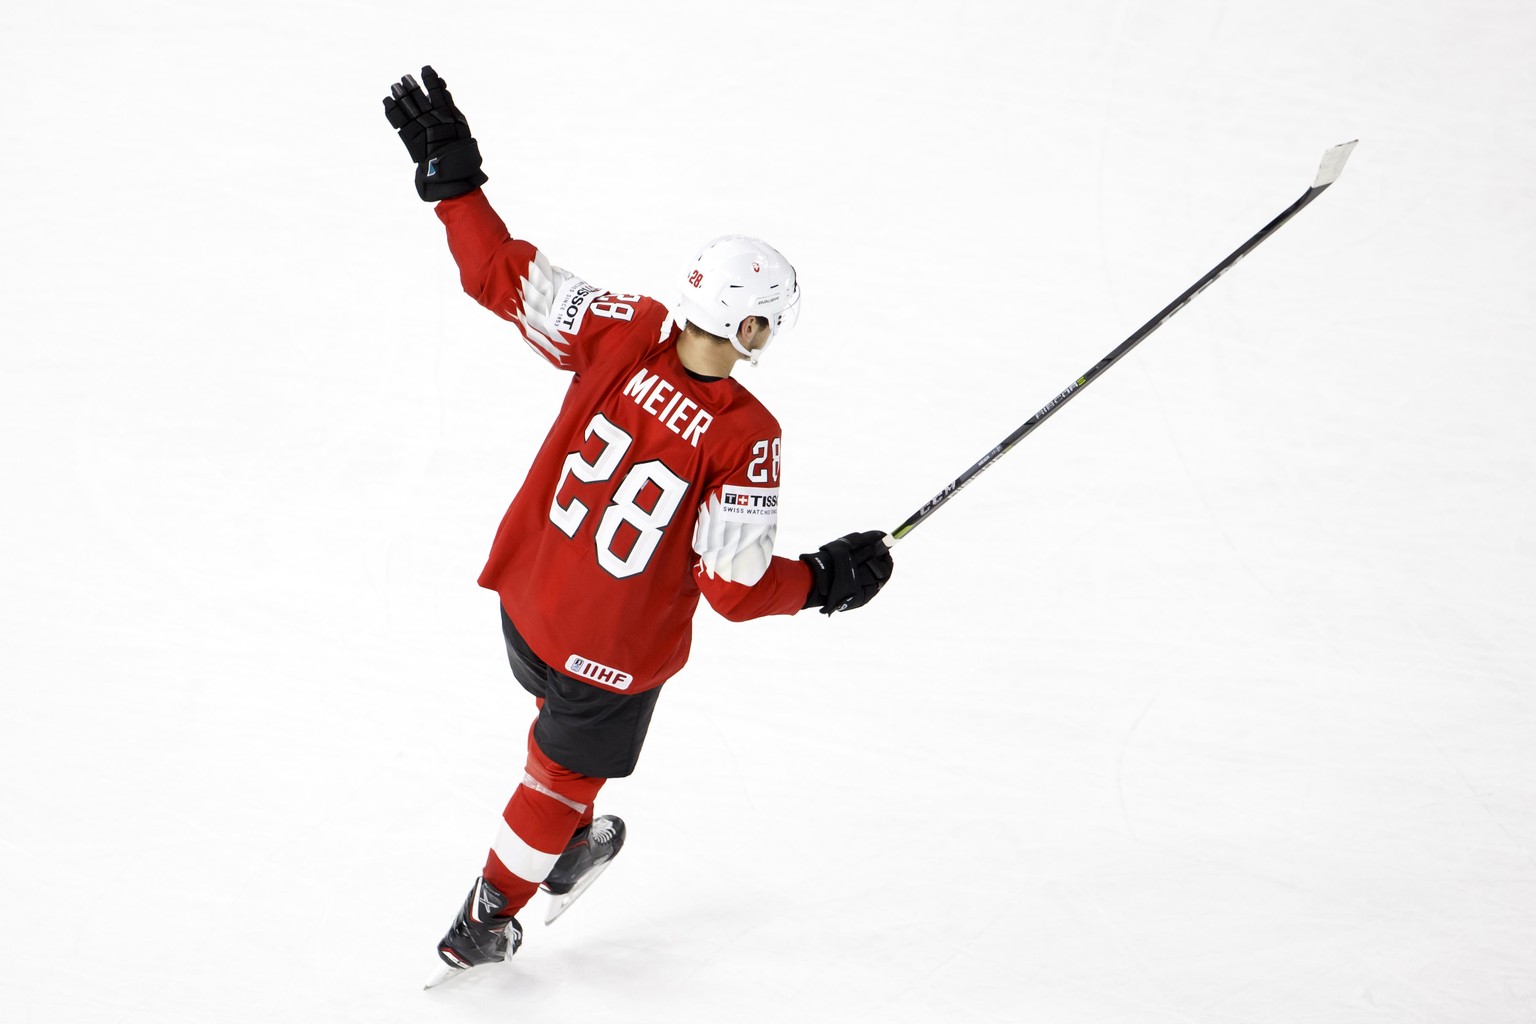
{"x":782,"y":591}
{"x":563,"y":318}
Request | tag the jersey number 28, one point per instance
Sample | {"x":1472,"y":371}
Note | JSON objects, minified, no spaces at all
{"x":624,"y":508}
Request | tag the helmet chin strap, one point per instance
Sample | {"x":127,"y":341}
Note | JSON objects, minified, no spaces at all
{"x":751,"y":354}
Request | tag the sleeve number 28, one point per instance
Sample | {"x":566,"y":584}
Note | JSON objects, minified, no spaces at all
{"x":624,"y":507}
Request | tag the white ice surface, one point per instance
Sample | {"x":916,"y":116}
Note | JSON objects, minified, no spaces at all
{"x":1211,"y":703}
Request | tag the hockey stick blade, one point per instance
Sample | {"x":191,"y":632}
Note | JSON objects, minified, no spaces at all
{"x":1327,"y":173}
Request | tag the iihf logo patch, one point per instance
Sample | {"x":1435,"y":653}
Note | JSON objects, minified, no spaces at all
{"x":586,"y":668}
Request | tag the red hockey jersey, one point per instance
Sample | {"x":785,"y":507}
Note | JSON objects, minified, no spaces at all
{"x":652,"y":487}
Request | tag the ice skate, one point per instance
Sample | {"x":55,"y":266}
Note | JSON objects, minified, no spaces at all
{"x":478,"y":936}
{"x":586,"y":856}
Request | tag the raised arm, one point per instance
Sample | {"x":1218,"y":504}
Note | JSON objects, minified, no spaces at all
{"x":512,"y":279}
{"x":508,"y":276}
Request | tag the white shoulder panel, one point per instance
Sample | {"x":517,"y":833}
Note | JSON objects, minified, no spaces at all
{"x":554,"y":303}
{"x":735,"y":532}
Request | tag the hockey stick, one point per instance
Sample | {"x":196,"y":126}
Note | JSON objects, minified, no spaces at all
{"x":1327,"y":174}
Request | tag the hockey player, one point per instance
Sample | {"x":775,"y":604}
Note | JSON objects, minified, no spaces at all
{"x":658,"y":482}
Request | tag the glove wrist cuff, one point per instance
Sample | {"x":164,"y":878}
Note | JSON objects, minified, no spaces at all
{"x":821,"y":580}
{"x":452,"y":170}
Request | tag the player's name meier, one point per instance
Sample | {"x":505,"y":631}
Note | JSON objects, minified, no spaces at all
{"x":679,"y":414}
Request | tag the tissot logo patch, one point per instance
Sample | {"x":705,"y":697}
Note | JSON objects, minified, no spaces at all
{"x":749,"y":504}
{"x":570,"y":306}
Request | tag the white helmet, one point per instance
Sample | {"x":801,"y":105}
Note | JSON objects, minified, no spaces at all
{"x":735,"y":277}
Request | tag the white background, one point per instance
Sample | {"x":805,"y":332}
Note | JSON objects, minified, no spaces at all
{"x":1212,"y":702}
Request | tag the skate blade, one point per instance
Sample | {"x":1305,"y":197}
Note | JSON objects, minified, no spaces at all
{"x":560,"y":904}
{"x":443,"y":974}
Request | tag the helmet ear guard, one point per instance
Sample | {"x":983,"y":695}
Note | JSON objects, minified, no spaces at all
{"x":735,"y":277}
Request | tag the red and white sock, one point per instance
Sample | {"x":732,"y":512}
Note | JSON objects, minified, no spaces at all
{"x":550,"y":805}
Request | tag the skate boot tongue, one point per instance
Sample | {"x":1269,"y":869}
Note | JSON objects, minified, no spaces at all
{"x":586,"y":856}
{"x":592,"y":847}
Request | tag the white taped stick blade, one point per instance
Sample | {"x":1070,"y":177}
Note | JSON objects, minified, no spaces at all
{"x":1333,"y":163}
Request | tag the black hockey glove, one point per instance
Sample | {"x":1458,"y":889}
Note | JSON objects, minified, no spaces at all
{"x":436,"y":135}
{"x":848,"y":572}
